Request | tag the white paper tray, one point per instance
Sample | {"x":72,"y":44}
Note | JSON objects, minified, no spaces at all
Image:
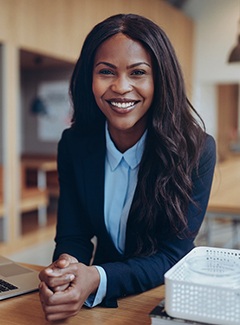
{"x":205,"y":286}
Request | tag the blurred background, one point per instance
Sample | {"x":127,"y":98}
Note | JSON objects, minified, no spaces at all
{"x":39,"y":44}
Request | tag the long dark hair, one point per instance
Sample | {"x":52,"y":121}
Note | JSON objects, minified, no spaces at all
{"x":175,"y":131}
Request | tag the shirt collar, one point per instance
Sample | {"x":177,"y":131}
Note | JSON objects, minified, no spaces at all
{"x":132,"y":156}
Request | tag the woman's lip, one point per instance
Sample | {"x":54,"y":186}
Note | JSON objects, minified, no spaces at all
{"x":122,"y":107}
{"x":122,"y":104}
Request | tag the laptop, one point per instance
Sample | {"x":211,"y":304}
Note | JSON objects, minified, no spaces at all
{"x":15,"y":279}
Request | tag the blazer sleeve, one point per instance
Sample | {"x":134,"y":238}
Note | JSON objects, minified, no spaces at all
{"x":74,"y":231}
{"x":139,"y":274}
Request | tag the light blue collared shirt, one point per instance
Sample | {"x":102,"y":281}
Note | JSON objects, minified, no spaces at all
{"x":121,"y":171}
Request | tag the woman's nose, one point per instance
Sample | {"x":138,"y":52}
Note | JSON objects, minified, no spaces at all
{"x":121,"y":85}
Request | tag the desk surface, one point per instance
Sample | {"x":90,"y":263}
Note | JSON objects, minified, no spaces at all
{"x":225,"y":188}
{"x":26,"y":310}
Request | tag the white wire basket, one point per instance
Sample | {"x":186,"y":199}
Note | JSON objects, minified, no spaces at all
{"x":205,"y":286}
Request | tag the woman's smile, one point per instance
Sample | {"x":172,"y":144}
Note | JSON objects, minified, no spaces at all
{"x":122,"y":106}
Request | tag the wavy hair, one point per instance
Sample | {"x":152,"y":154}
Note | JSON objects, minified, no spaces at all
{"x":175,"y":135}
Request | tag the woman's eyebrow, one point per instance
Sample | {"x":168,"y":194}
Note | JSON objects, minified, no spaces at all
{"x":106,"y":63}
{"x":128,"y":67}
{"x":137,"y":64}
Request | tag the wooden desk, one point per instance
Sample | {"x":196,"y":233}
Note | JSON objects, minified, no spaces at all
{"x":224,"y":200}
{"x":27,"y":310}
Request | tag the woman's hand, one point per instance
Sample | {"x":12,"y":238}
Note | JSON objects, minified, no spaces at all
{"x":57,"y":276}
{"x":64,"y":287}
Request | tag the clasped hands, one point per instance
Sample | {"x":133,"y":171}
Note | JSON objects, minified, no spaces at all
{"x":65,"y":285}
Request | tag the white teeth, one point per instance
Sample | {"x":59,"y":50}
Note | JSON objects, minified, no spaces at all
{"x":122,"y":105}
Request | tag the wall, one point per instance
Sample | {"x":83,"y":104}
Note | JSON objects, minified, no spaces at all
{"x":31,"y":142}
{"x":216,"y":26}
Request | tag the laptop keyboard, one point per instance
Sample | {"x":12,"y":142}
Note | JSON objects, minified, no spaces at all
{"x":6,"y":286}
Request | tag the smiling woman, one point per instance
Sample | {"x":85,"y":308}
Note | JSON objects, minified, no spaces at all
{"x":135,"y":170}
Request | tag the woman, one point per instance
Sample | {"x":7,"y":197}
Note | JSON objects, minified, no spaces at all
{"x":135,"y":170}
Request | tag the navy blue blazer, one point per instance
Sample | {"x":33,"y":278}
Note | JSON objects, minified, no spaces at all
{"x":81,"y":163}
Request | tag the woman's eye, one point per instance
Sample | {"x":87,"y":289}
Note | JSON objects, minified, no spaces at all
{"x":105,"y":72}
{"x":138,"y":72}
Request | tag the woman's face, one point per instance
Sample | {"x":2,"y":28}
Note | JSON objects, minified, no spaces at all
{"x":123,"y":84}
